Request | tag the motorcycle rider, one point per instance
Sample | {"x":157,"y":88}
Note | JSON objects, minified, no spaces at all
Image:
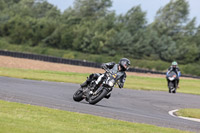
{"x":118,"y":69}
{"x":174,"y":67}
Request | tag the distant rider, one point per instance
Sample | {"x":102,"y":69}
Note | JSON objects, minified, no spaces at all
{"x":114,"y":68}
{"x":174,"y":67}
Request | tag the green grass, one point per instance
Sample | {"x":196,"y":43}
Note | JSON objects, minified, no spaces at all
{"x":149,"y":63}
{"x":133,"y":82}
{"x":22,"y":118}
{"x":190,"y":86}
{"x":193,"y":113}
{"x":69,"y":54}
{"x":43,"y":75}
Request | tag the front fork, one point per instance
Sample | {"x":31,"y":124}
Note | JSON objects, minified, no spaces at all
{"x":100,"y":88}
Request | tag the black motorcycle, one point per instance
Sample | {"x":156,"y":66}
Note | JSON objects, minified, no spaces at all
{"x":172,"y":82}
{"x":93,"y":95}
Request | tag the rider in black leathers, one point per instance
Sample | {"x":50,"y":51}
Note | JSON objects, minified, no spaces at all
{"x":119,"y":69}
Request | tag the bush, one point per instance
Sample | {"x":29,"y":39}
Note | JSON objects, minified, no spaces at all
{"x":192,"y":69}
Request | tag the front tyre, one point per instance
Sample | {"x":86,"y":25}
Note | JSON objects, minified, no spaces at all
{"x":171,"y":85}
{"x":175,"y":87}
{"x":174,"y":91}
{"x":78,"y":95}
{"x":98,"y":97}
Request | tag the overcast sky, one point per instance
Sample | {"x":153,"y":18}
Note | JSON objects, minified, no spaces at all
{"x":150,"y":6}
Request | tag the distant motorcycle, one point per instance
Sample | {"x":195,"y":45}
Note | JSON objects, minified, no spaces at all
{"x":94,"y":96}
{"x":172,"y":82}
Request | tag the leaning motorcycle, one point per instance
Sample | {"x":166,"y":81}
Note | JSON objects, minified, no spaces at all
{"x":94,"y":96}
{"x":172,"y":84}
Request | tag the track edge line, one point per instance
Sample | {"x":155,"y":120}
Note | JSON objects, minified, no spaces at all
{"x":186,"y":118}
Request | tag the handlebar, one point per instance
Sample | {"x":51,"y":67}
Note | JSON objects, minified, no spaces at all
{"x":107,"y":70}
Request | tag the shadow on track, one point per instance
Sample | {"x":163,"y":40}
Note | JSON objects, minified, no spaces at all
{"x":100,"y":105}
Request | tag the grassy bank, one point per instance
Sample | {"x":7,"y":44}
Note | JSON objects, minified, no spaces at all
{"x":21,"y":118}
{"x":155,"y":64}
{"x":133,"y":82}
{"x":193,"y":113}
{"x":147,"y":64}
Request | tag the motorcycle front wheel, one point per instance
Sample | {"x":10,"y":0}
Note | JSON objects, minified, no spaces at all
{"x":78,"y":95}
{"x":174,"y":91}
{"x":172,"y":88}
{"x":98,"y":97}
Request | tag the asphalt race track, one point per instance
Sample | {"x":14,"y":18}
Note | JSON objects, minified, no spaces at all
{"x":149,"y":107}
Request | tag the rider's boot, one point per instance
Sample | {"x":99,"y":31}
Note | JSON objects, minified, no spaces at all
{"x":108,"y":95}
{"x":178,"y":83}
{"x":88,"y":81}
{"x":177,"y":86}
{"x":85,"y":84}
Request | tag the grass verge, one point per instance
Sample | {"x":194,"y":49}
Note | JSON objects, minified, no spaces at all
{"x":148,"y":63}
{"x":22,"y":118}
{"x":193,"y":113}
{"x":133,"y":82}
{"x":69,"y":54}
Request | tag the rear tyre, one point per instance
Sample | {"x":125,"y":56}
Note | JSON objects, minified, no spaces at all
{"x":78,"y":95}
{"x":98,"y":97}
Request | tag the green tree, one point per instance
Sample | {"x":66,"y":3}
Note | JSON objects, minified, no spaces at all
{"x":172,"y":22}
{"x":92,"y":8}
{"x":2,"y":5}
{"x":42,"y":9}
{"x":134,"y":20}
{"x":168,"y":48}
{"x":171,"y":18}
{"x":118,"y":42}
{"x":197,"y":40}
{"x":89,"y":21}
{"x":132,"y":28}
{"x":186,"y":45}
{"x":6,"y":3}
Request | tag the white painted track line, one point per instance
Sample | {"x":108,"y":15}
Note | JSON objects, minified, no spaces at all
{"x":186,"y":118}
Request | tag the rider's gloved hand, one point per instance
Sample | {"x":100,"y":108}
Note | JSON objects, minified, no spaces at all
{"x":103,"y":66}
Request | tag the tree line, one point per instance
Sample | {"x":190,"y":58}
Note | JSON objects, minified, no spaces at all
{"x":91,"y":26}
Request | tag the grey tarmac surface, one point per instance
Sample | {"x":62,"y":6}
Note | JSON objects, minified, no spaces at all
{"x":150,"y":107}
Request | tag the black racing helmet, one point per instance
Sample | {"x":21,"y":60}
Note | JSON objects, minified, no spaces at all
{"x":125,"y":64}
